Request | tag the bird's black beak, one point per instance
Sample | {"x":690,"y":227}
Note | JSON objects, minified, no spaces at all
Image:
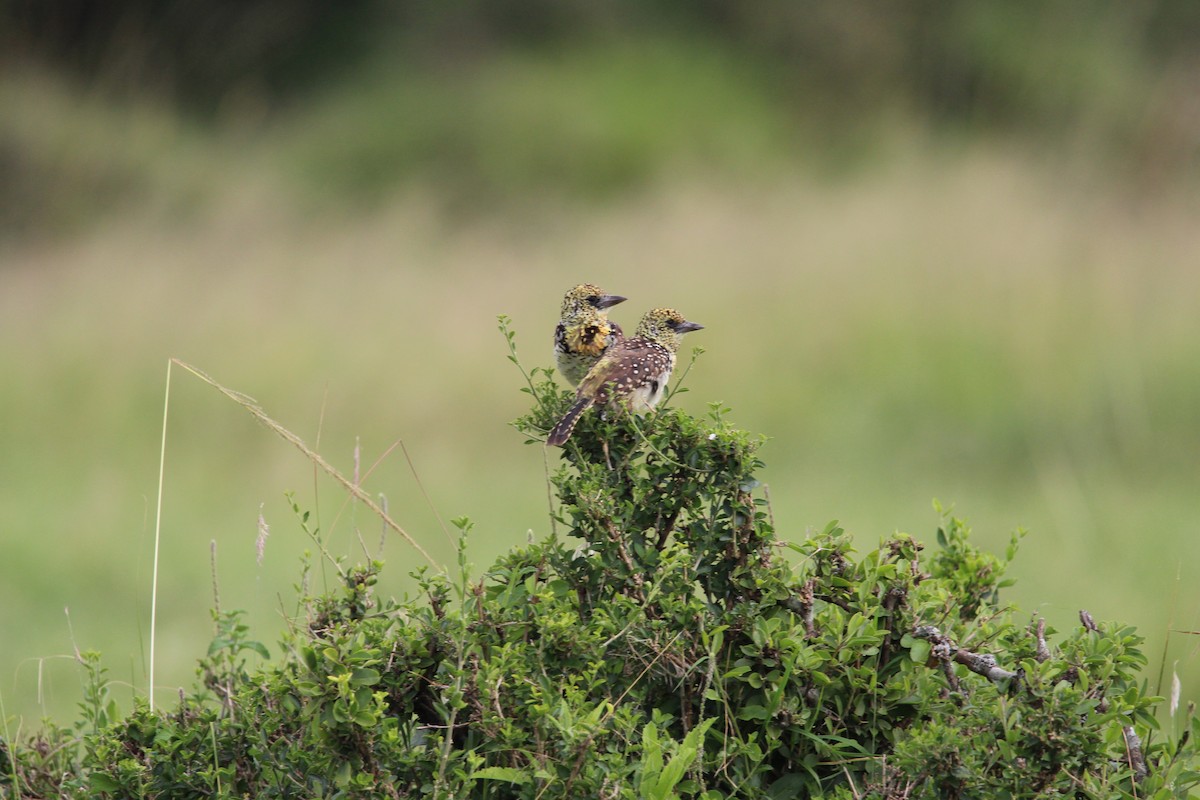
{"x":608,"y":300}
{"x":688,"y":327}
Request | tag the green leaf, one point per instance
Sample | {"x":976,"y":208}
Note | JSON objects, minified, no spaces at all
{"x":794,"y":784}
{"x":364,"y":676}
{"x":507,"y":774}
{"x":103,"y":782}
{"x":673,"y":772}
{"x":652,"y":760}
{"x":753,"y":712}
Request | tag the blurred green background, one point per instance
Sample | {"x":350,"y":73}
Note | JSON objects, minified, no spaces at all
{"x":942,"y":249}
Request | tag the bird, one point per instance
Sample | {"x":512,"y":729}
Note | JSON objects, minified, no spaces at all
{"x":633,"y":373}
{"x":584,"y":331}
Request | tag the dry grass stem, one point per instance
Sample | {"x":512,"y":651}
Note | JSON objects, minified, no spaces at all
{"x":313,"y":456}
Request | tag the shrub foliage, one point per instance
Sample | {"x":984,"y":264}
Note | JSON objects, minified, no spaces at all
{"x":661,"y":642}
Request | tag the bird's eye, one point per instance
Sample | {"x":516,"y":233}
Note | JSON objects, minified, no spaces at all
{"x":594,"y":299}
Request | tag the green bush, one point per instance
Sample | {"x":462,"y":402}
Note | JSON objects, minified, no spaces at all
{"x":661,"y":643}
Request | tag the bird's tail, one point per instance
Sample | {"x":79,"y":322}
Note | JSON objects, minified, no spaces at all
{"x":562,"y":431}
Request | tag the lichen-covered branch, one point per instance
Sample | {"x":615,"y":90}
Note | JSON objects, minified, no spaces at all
{"x":1133,"y":749}
{"x":945,"y":650}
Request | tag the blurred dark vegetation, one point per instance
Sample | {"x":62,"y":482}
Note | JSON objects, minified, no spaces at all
{"x":1025,"y":62}
{"x":436,"y":91}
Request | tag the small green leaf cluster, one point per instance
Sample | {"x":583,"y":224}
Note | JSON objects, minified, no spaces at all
{"x":662,"y":642}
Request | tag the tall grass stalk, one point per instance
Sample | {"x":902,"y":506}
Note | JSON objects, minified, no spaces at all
{"x":162,"y":460}
{"x":246,"y":403}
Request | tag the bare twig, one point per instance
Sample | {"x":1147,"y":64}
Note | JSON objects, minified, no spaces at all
{"x":770,"y":511}
{"x":892,"y":598}
{"x":212,"y":558}
{"x":634,"y":575}
{"x":947,"y":668}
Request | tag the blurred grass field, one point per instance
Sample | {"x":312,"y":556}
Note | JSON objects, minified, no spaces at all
{"x":971,"y":319}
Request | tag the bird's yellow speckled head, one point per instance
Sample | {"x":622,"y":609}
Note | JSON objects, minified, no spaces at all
{"x":587,"y":298}
{"x":584,"y":332}
{"x":665,"y":326}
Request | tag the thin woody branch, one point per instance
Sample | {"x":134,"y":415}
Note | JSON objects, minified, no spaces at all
{"x":945,"y":651}
{"x":1043,"y":650}
{"x":801,"y":604}
{"x":1133,"y":750}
